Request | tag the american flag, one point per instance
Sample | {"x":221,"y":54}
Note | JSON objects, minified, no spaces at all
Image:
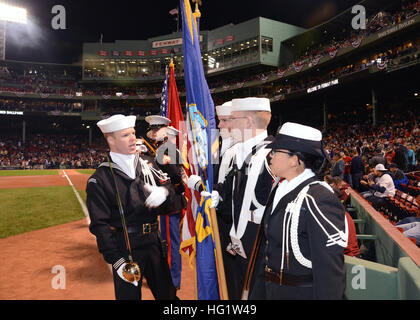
{"x":164,"y":97}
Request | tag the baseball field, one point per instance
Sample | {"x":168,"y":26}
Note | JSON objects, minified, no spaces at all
{"x":47,"y":250}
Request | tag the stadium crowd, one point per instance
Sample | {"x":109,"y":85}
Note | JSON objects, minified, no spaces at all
{"x":343,"y":138}
{"x":374,"y":24}
{"x":44,"y":151}
{"x":47,"y":81}
{"x":45,"y":106}
{"x":392,"y":57}
{"x":358,"y":152}
{"x":393,"y":143}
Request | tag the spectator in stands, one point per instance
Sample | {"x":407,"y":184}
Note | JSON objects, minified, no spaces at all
{"x":380,"y":186}
{"x":338,"y":185}
{"x":411,"y":157}
{"x":400,"y":158}
{"x":398,"y":176}
{"x":389,"y":155}
{"x":411,"y":229}
{"x":357,"y":169}
{"x":417,"y":153}
{"x":352,"y":248}
{"x":339,"y":166}
{"x":365,"y":149}
{"x":347,"y":162}
{"x":378,"y":158}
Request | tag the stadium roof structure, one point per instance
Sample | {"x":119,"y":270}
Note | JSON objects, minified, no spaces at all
{"x":334,"y":26}
{"x":51,"y":64}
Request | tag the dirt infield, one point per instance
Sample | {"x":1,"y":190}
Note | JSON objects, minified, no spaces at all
{"x":32,"y":181}
{"x":79,"y":180}
{"x":27,"y":273}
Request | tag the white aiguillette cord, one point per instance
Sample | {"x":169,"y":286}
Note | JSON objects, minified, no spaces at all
{"x":120,"y":208}
{"x":148,"y":172}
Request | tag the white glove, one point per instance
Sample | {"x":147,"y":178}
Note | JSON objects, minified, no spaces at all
{"x":215,"y":197}
{"x":157,"y":195}
{"x":119,"y":272}
{"x":194,"y":182}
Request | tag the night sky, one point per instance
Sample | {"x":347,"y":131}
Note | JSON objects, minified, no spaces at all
{"x":140,"y":20}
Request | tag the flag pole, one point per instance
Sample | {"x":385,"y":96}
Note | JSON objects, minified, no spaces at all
{"x":196,"y":110}
{"x":219,"y":256}
{"x":216,"y":235}
{"x":213,"y":217}
{"x":195,"y":280}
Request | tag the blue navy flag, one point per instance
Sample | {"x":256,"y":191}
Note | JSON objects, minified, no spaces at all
{"x":203,"y":125}
{"x":164,"y":97}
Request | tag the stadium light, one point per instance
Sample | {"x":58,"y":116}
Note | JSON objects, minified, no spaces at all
{"x":13,"y":14}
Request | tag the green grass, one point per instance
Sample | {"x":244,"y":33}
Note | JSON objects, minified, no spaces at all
{"x":29,"y":209}
{"x":10,"y":173}
{"x":82,"y":194}
{"x":86,"y":171}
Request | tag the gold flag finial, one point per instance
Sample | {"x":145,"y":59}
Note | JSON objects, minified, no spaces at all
{"x":197,"y":13}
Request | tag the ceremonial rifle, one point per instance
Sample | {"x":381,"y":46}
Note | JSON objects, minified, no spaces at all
{"x":251,"y":265}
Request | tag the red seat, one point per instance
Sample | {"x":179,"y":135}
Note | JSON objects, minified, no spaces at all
{"x":413,"y":240}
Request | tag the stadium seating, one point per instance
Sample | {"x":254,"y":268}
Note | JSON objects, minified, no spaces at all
{"x":400,"y":206}
{"x":390,"y":261}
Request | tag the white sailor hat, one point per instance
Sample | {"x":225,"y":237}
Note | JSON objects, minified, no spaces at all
{"x":251,"y":104}
{"x":157,"y":121}
{"x":172,"y":131}
{"x":299,"y":138}
{"x":224,"y":110}
{"x":116,"y":123}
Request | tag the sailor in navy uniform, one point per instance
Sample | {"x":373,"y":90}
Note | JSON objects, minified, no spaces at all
{"x":145,"y":191}
{"x":170,"y":161}
{"x":226,"y":150}
{"x":226,"y":155}
{"x":246,"y":187}
{"x":304,"y":229}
